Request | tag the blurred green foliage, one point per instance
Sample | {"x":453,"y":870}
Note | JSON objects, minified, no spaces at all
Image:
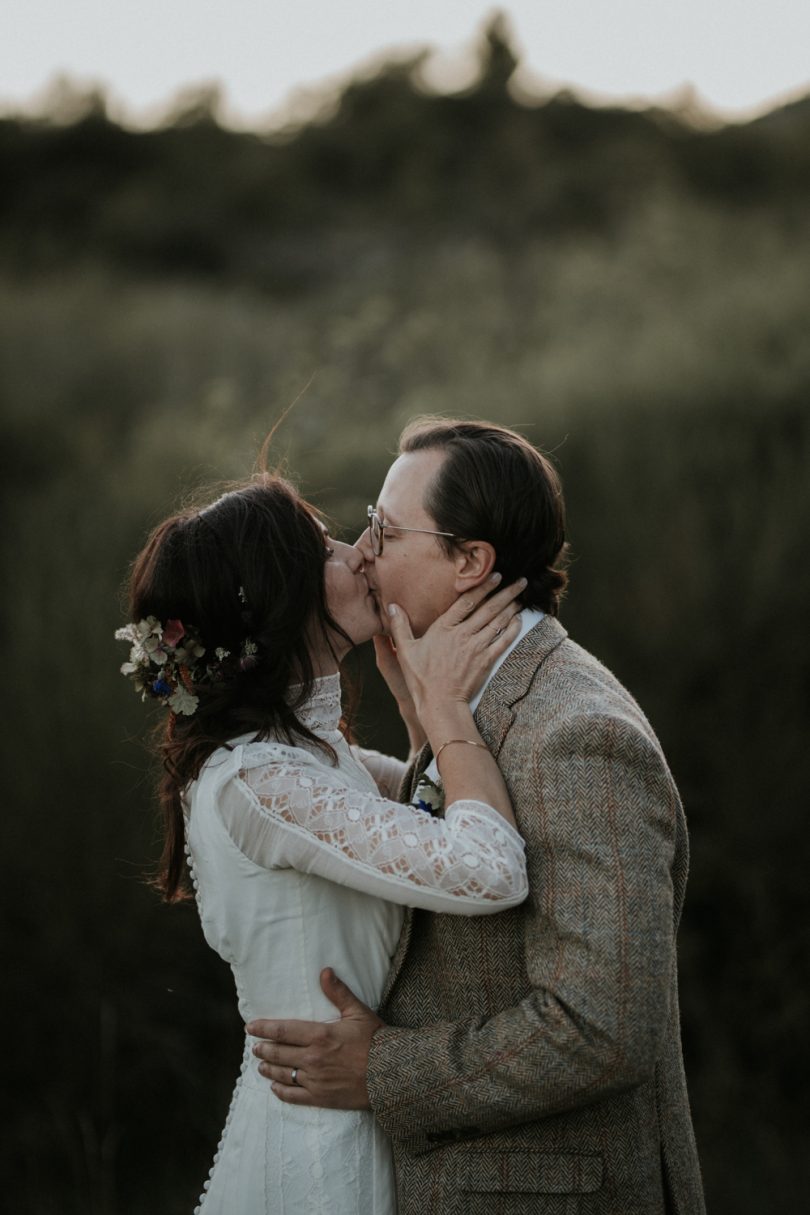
{"x":630,"y":292}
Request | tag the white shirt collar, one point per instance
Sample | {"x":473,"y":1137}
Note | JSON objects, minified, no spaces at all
{"x":529,"y":617}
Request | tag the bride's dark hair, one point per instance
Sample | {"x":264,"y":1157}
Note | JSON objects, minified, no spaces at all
{"x":250,"y":565}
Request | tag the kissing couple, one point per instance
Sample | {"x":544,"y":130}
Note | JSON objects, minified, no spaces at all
{"x":458,"y":972}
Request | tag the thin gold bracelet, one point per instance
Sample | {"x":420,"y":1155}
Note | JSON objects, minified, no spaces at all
{"x":471,"y":741}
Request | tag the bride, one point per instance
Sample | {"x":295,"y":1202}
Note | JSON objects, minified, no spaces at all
{"x":298,"y":853}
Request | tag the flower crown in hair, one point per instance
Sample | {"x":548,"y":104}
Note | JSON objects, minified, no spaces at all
{"x":165,"y":662}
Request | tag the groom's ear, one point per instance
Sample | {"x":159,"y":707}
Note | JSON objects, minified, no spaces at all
{"x":474,"y":561}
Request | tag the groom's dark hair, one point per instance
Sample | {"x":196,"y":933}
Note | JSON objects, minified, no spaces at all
{"x":495,"y":486}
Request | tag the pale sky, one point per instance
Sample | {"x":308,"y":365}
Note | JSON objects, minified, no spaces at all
{"x":742,"y":56}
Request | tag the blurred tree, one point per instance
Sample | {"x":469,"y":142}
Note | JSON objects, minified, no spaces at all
{"x":389,"y":154}
{"x":498,"y":58}
{"x":197,"y":105}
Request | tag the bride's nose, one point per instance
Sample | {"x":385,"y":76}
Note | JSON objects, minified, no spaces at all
{"x":356,"y":559}
{"x":363,"y":545}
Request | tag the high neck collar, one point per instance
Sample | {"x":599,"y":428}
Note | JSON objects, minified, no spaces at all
{"x":322,"y":712}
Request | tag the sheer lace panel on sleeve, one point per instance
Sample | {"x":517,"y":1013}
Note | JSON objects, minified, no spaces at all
{"x":297,"y":814}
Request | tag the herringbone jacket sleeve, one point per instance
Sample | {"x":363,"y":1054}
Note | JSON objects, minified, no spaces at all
{"x":597,"y":807}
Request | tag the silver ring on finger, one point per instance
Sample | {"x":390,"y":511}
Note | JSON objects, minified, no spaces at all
{"x":294,"y":1076}
{"x":498,"y":632}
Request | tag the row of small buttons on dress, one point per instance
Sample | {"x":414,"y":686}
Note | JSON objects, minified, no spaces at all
{"x":245,"y":1060}
{"x":192,"y":874}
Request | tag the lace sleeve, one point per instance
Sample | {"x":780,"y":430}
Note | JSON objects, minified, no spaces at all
{"x":288,"y":814}
{"x":386,"y":771}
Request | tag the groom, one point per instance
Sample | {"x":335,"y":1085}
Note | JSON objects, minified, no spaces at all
{"x":528,"y":1062}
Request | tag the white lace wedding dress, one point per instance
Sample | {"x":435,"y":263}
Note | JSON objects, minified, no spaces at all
{"x":298,"y":864}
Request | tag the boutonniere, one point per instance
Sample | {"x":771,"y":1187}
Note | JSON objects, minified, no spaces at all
{"x":428,"y":796}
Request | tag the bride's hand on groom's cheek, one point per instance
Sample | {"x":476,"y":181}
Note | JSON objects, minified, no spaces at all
{"x":459,"y":649}
{"x":388,"y":666}
{"x":319,"y":1063}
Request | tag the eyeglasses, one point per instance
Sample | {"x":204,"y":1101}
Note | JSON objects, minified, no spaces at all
{"x":376,"y":529}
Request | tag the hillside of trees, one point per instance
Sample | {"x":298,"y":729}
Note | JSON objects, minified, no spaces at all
{"x":389,"y":160}
{"x":628,"y":288}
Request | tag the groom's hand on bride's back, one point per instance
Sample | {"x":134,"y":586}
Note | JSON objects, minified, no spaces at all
{"x":320,"y":1062}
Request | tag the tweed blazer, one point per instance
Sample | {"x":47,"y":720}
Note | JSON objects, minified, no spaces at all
{"x":531,"y":1061}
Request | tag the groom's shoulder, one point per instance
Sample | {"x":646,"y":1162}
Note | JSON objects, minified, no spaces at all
{"x":568,"y":680}
{"x":552,"y":697}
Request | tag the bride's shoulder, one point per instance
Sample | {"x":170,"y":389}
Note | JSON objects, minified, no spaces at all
{"x":246,"y":751}
{"x":251,"y":752}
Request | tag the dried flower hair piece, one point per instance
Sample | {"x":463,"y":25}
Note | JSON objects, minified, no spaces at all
{"x":165,"y":662}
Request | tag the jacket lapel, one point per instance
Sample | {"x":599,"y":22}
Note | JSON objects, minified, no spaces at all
{"x":513,"y":679}
{"x":417,"y":767}
{"x":406,"y":792}
{"x":493,"y":717}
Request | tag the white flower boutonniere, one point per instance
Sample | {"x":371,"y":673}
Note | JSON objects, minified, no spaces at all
{"x":428,"y":796}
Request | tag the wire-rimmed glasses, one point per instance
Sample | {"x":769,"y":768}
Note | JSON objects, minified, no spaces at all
{"x":376,"y":530}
